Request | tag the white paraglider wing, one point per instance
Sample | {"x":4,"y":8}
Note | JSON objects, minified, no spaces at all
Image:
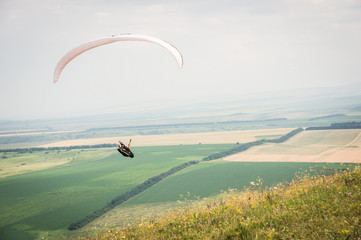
{"x":107,"y":40}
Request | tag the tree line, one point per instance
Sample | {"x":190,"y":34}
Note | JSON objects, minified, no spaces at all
{"x":154,"y":180}
{"x":245,"y":146}
{"x":327,"y":116}
{"x":344,"y":125}
{"x":127,"y":195}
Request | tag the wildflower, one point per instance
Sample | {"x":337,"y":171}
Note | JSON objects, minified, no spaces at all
{"x":252,"y":183}
{"x":122,"y":235}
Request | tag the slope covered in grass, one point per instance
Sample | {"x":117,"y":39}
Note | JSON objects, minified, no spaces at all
{"x":308,"y":208}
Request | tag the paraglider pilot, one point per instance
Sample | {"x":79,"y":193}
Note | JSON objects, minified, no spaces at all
{"x":125,"y":150}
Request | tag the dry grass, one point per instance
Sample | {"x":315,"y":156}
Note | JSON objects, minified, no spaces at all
{"x":308,"y":146}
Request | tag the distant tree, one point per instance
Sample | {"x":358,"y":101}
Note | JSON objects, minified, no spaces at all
{"x":345,"y":125}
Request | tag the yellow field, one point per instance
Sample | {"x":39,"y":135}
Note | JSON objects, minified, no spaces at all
{"x":177,"y":139}
{"x":308,"y":146}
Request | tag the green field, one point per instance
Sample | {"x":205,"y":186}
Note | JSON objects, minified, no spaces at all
{"x":43,"y":203}
{"x":49,"y":200}
{"x":204,"y":180}
{"x":209,"y":178}
{"x":15,"y":163}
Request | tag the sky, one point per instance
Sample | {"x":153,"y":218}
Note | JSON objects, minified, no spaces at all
{"x":231,"y":48}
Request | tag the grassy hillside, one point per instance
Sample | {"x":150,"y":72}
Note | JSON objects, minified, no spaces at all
{"x":308,"y":208}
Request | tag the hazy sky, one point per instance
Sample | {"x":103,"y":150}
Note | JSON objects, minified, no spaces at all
{"x":230,"y":48}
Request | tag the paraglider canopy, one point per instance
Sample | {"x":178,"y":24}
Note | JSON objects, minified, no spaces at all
{"x":114,"y":38}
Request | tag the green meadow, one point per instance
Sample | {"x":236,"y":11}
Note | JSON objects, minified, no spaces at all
{"x":208,"y":179}
{"x":49,"y":200}
{"x":43,"y":203}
